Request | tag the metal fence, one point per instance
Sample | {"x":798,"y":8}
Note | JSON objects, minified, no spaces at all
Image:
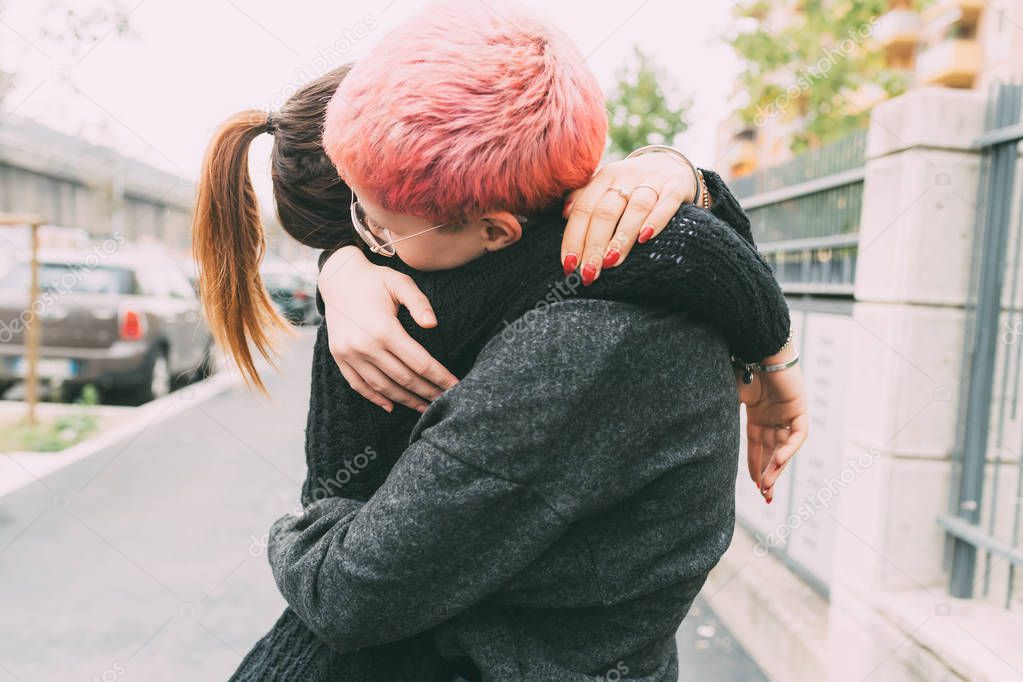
{"x":806,"y":216}
{"x":984,"y":520}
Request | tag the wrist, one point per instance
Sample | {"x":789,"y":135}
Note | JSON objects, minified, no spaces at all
{"x":785,"y":358}
{"x":692,"y":185}
{"x":692,"y":191}
{"x":346,"y":257}
{"x":781,"y":357}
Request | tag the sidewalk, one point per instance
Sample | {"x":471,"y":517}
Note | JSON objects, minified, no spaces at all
{"x":145,"y":561}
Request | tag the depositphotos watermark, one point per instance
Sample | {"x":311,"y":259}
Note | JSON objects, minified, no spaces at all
{"x":616,"y":673}
{"x":819,"y":70}
{"x":327,"y":57}
{"x":324,"y":488}
{"x":819,"y":501}
{"x":63,"y":285}
{"x":115,"y":672}
{"x":561,"y":290}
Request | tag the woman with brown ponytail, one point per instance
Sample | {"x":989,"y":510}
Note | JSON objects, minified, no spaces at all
{"x":228,"y":237}
{"x":704,"y":263}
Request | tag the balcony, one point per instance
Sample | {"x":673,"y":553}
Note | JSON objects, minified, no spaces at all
{"x":966,"y":13}
{"x":899,"y":32}
{"x":952,"y":63}
{"x":742,"y":158}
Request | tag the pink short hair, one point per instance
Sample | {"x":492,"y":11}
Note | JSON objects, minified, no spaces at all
{"x":465,"y":109}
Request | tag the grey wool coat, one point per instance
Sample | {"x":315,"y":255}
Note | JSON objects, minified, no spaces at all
{"x":555,"y":514}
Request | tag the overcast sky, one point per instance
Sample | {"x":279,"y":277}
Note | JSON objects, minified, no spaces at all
{"x":187,"y":64}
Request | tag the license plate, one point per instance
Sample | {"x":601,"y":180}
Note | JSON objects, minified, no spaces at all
{"x":47,"y":368}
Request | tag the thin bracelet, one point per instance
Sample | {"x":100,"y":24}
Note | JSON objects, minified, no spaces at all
{"x":751,"y":368}
{"x":676,"y":153}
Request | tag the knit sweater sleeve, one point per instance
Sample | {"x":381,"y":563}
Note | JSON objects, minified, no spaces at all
{"x":710,"y":269}
{"x":726,"y":207}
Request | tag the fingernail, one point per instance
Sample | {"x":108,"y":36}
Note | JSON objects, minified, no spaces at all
{"x":420,"y":408}
{"x":589,"y":274}
{"x":611,"y":257}
{"x":568,"y":209}
{"x":646,"y":234}
{"x":571,"y":261}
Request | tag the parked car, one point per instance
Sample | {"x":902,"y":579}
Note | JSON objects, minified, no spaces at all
{"x":293,"y":293}
{"x":129,"y":323}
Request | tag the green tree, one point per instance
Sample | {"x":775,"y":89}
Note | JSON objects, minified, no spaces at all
{"x":812,"y":66}
{"x":644,"y":107}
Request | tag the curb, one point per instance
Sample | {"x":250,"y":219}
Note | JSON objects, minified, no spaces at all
{"x":18,"y":469}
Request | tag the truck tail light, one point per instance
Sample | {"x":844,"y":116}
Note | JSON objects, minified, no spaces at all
{"x":132,"y":325}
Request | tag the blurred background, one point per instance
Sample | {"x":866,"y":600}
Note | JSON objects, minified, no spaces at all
{"x":876,"y":145}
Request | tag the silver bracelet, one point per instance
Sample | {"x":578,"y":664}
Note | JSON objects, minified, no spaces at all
{"x":676,"y":153}
{"x":751,"y":368}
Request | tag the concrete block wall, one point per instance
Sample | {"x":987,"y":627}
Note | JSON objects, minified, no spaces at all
{"x":885,"y":613}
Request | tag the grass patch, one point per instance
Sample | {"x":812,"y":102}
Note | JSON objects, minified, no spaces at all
{"x":53,"y":435}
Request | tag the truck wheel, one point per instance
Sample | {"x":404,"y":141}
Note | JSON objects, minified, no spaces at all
{"x":157,"y":379}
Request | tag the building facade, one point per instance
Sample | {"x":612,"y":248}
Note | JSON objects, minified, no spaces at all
{"x":72,"y":183}
{"x":964,"y":44}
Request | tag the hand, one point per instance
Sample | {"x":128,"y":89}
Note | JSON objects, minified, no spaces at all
{"x":603,"y":226}
{"x":374,"y":352}
{"x":776,"y":422}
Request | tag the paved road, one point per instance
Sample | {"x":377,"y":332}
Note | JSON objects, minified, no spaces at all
{"x":145,"y":561}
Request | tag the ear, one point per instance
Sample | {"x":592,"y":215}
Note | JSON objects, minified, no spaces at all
{"x":500,"y":229}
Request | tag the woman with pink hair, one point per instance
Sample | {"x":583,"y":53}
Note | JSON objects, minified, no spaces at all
{"x":469,"y":552}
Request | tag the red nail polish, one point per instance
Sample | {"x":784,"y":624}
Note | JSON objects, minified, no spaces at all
{"x":589,"y":274}
{"x":571,"y":260}
{"x":612,"y":257}
{"x":646,"y":234}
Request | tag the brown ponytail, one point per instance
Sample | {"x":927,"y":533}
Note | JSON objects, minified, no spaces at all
{"x":228,"y":244}
{"x":227,"y":236}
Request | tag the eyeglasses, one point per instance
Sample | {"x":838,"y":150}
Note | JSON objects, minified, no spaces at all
{"x":385,"y":247}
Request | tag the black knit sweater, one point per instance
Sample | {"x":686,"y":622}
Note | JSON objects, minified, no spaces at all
{"x":704,"y":263}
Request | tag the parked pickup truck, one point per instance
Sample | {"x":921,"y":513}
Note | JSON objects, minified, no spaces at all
{"x":127,"y":322}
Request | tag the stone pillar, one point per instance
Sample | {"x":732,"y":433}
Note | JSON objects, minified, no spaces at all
{"x":913,"y":272}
